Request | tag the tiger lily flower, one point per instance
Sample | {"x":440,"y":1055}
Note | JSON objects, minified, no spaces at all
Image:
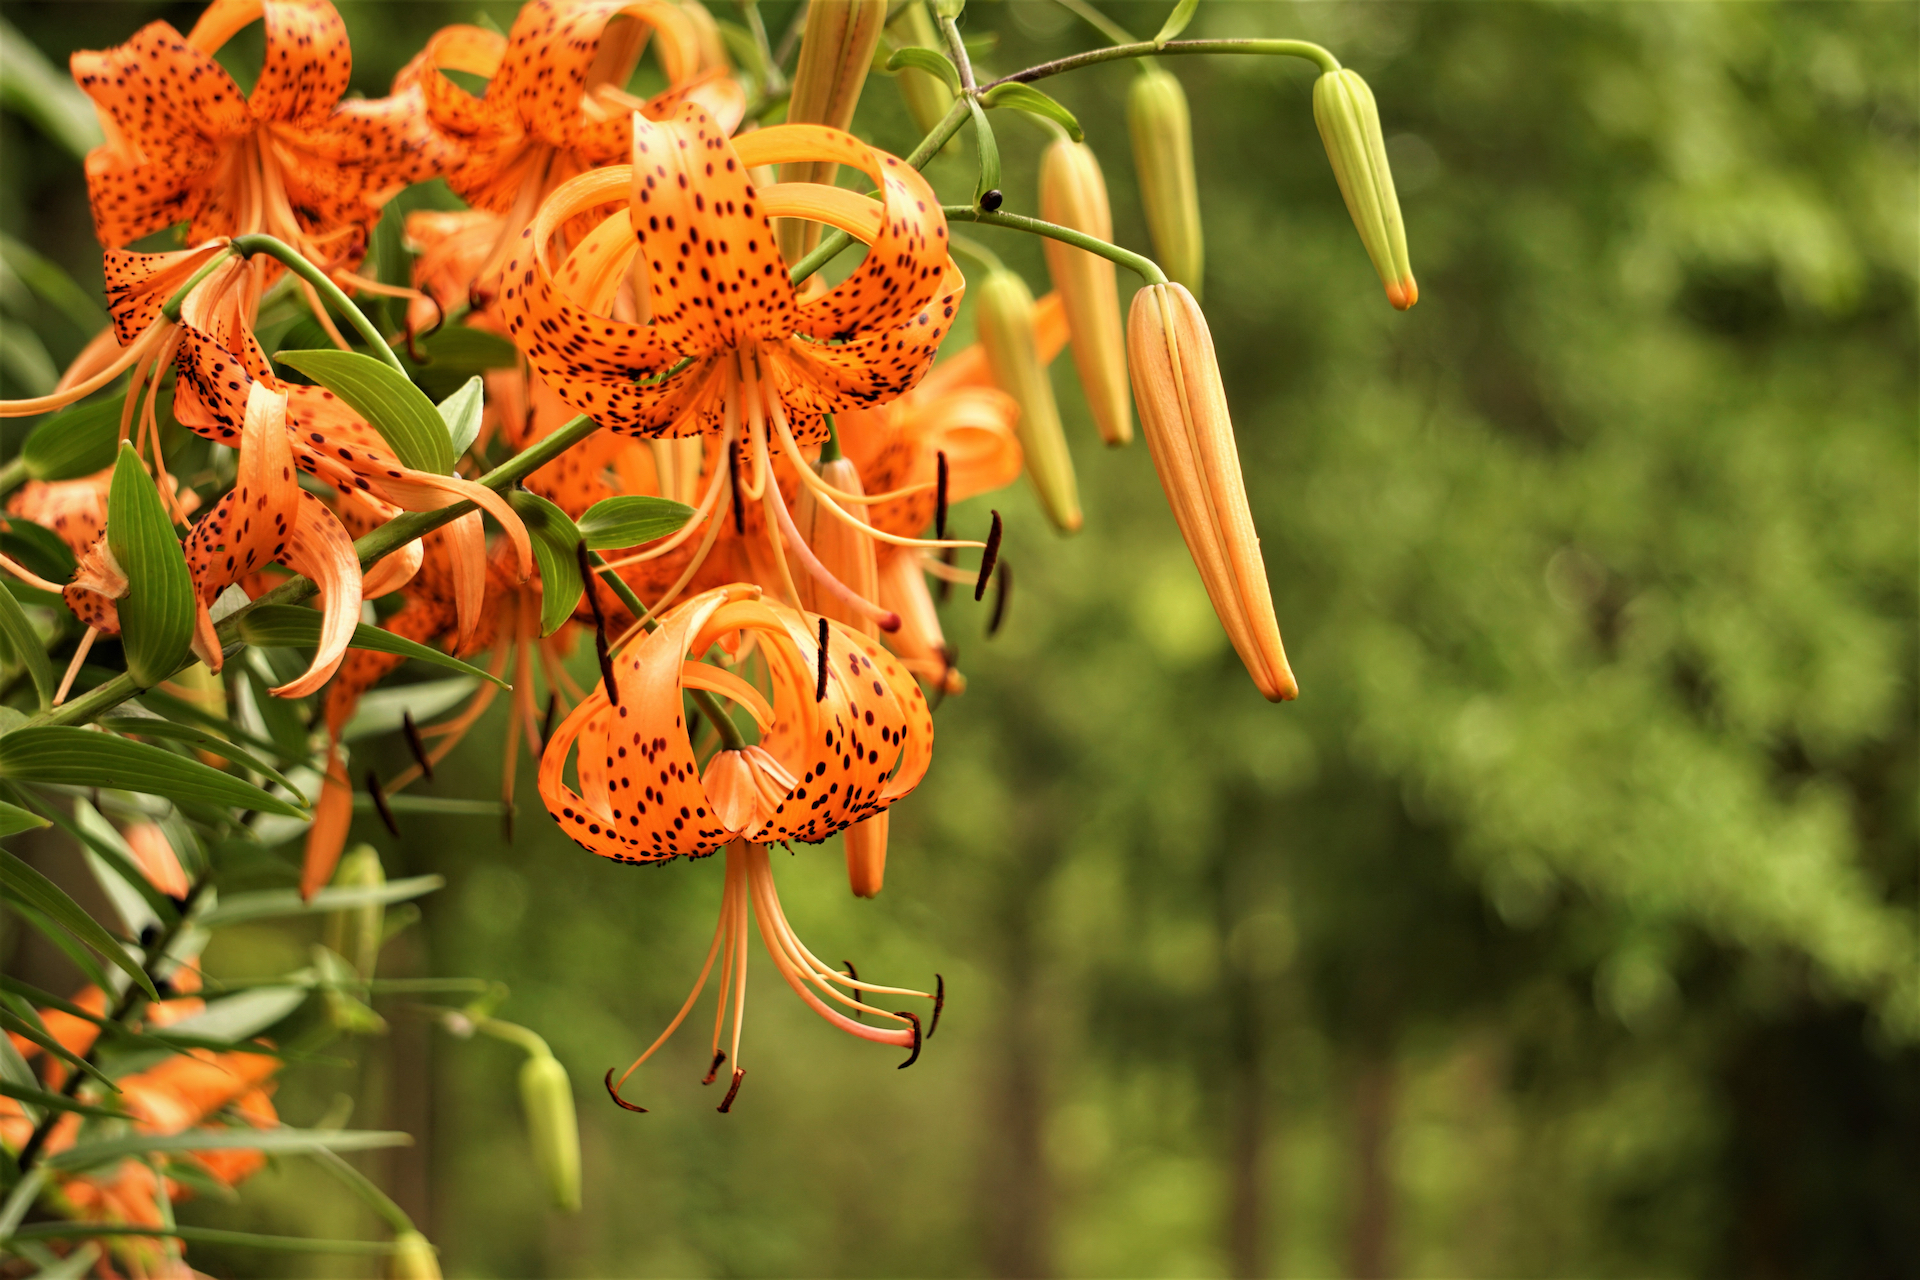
{"x":554,"y":107}
{"x":844,"y":734}
{"x":731,"y":351}
{"x":291,"y":159}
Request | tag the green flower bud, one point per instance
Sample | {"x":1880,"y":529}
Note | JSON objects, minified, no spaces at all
{"x":927,"y":97}
{"x":412,"y":1259}
{"x":357,"y":932}
{"x":1349,"y":123}
{"x":1004,"y":318}
{"x":836,"y":52}
{"x":1163,"y":160}
{"x":547,"y":1096}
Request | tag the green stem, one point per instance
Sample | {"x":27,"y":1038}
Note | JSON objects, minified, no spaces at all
{"x":831,"y":245}
{"x":957,"y":49}
{"x":514,"y":1033}
{"x":1145,"y":267}
{"x":1147,"y":49}
{"x":1097,"y":20}
{"x":363,"y":1186}
{"x":171,"y":310}
{"x":13,"y":475}
{"x":830,"y":451}
{"x":968,"y":247}
{"x":775,"y":83}
{"x":383,"y":541}
{"x":294,"y":262}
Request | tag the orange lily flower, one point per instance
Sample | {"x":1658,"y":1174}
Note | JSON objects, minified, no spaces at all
{"x":291,"y":159}
{"x":844,"y":734}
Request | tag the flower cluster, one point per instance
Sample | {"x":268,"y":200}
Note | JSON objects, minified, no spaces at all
{"x":767,"y":460}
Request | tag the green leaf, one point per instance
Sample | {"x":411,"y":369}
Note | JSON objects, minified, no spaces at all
{"x":630,"y":520}
{"x":14,"y":820}
{"x":1176,"y":22}
{"x":47,"y":1000}
{"x":240,"y":1016}
{"x":929,"y":60}
{"x":83,"y":960}
{"x":179,"y":709}
{"x":112,"y":862}
{"x":462,"y":412}
{"x":80,"y":758}
{"x":156,"y":614}
{"x":32,"y":1030}
{"x":58,"y":1101}
{"x":397,"y":409}
{"x":46,"y":95}
{"x":203,"y":1235}
{"x":37,"y":547}
{"x":381,"y":711}
{"x":271,"y":1141}
{"x":279,"y":716}
{"x":44,"y":895}
{"x":114,"y":853}
{"x":989,"y":150}
{"x":454,"y":353}
{"x":290,"y":626}
{"x":75,"y":442}
{"x":205,"y":739}
{"x":555,"y":543}
{"x":1024,"y":97}
{"x":267,"y":904}
{"x":27,"y":647}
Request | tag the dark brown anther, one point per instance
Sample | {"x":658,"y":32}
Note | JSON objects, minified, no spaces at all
{"x":506,"y":824}
{"x":380,"y":802}
{"x":416,"y":744}
{"x":940,"y":495}
{"x":614,"y":1093}
{"x":546,"y":721}
{"x":1002,"y":588}
{"x":913,"y":1057}
{"x":855,"y":975}
{"x":733,"y":478}
{"x":719,"y":1056}
{"x":939,"y":1003}
{"x":587,"y":577}
{"x":726,"y":1103}
{"x":820,"y":688}
{"x":988,"y":559}
{"x":944,"y":591}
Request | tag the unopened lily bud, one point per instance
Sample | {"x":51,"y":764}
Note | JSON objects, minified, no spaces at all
{"x":154,"y":854}
{"x":357,"y":932}
{"x":1074,"y":194}
{"x":1349,"y":123}
{"x":412,"y":1258}
{"x":845,"y":552}
{"x":927,"y":97}
{"x":836,"y":52}
{"x":1163,"y":160}
{"x":867,"y":854}
{"x":1183,"y":412}
{"x":553,"y":1130}
{"x":1004,"y":319}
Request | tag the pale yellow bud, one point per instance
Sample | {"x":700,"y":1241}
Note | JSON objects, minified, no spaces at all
{"x":357,"y":932}
{"x":412,"y":1258}
{"x":836,"y":52}
{"x":1074,"y":194}
{"x":1349,"y":123}
{"x":845,"y":552}
{"x":552,"y":1128}
{"x":1162,"y":134}
{"x":927,"y":97}
{"x":1004,"y":318}
{"x":1183,"y":412}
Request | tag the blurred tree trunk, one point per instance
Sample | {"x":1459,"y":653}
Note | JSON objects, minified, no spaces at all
{"x":1369,"y":1246}
{"x":1016,"y":1191}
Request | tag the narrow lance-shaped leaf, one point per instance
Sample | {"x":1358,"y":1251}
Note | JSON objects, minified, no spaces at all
{"x":266,"y":904}
{"x":1176,"y":21}
{"x":58,"y":1101}
{"x":75,"y":442}
{"x":24,"y":643}
{"x":555,"y":538}
{"x":397,"y":409}
{"x":1024,"y":97}
{"x":14,"y":820}
{"x":631,"y":519}
{"x":157,"y":613}
{"x":271,"y":1141}
{"x":205,"y":740}
{"x":44,"y":895}
{"x":928,"y":60}
{"x":289,"y":626}
{"x":462,"y":412}
{"x":32,"y":1030}
{"x":79,"y":758}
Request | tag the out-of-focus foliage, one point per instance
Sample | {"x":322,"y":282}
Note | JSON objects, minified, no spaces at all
{"x":1566,"y":924}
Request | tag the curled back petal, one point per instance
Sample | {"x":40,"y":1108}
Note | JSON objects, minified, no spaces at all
{"x":307,"y":64}
{"x":320,"y":549}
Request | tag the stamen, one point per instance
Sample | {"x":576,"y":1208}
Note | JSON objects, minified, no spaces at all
{"x":1002,"y":587}
{"x":546,"y":721}
{"x":939,"y":1003}
{"x":946,"y":583}
{"x":820,"y":688}
{"x":416,"y":745}
{"x":73,"y":667}
{"x":726,"y":1103}
{"x":987,"y":558}
{"x":380,"y":802}
{"x":28,"y":576}
{"x":719,"y":1056}
{"x":599,"y":624}
{"x":940,"y":496}
{"x":613,"y":1092}
{"x":913,"y":1057}
{"x":886,"y":619}
{"x":853,"y":975}
{"x":733,"y":472}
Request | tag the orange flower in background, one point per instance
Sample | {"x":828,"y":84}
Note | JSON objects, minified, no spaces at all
{"x":291,"y":159}
{"x":844,"y":733}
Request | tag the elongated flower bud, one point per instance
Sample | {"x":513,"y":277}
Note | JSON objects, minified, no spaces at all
{"x":356,"y":933}
{"x":1004,"y":318}
{"x":1349,"y":123}
{"x":412,"y":1258}
{"x":927,"y":97}
{"x":846,"y":552}
{"x":153,"y":854}
{"x":1183,"y":411}
{"x":836,"y":51}
{"x":1074,"y":194}
{"x":552,"y":1128}
{"x":867,"y":854}
{"x":1163,"y":159}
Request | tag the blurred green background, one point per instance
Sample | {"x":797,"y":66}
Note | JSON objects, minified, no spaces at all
{"x":1565,"y":926}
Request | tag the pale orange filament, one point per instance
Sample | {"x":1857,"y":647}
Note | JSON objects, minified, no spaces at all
{"x":73,"y":667}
